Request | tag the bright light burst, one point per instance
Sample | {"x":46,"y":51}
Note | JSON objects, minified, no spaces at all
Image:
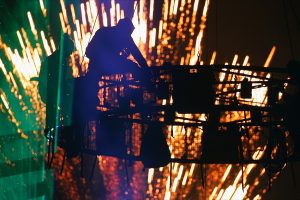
{"x":168,"y":31}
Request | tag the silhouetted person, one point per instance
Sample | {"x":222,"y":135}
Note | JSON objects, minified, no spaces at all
{"x":50,"y":87}
{"x":110,"y":47}
{"x":108,"y":52}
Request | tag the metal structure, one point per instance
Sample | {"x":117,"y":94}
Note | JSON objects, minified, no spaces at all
{"x":134,"y":116}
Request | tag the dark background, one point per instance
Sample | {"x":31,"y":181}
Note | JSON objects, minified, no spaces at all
{"x":252,"y":27}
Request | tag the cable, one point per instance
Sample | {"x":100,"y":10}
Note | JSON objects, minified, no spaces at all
{"x":288,"y":28}
{"x":135,"y":7}
{"x":294,"y":13}
{"x":90,"y":38}
{"x":93,"y":31}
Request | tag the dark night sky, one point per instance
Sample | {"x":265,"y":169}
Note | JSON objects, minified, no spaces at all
{"x":252,"y":27}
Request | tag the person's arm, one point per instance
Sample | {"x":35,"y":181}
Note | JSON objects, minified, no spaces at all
{"x":134,"y":50}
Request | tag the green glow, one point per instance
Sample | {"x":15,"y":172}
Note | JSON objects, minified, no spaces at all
{"x":23,"y":174}
{"x":59,"y":90}
{"x":22,"y":168}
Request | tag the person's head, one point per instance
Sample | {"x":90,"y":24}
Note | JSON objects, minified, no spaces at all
{"x":126,"y":25}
